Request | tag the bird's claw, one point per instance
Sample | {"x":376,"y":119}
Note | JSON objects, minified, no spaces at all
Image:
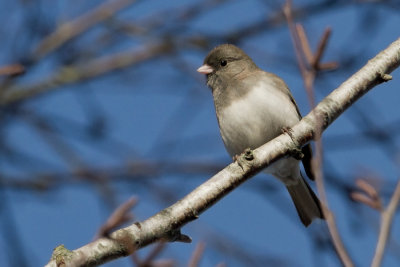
{"x":247,"y":155}
{"x":296,"y":152}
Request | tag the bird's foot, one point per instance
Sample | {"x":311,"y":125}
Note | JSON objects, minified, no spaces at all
{"x":247,"y":155}
{"x":296,"y":152}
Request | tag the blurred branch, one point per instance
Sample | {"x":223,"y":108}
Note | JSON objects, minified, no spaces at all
{"x":82,"y":72}
{"x":120,"y":216}
{"x":386,"y":224}
{"x":48,"y":134}
{"x":76,"y":73}
{"x":279,"y":18}
{"x":13,"y":69}
{"x":309,"y":63}
{"x":129,"y":171}
{"x":166,"y":224}
{"x":369,"y":195}
{"x":71,"y":29}
{"x":149,"y":260}
{"x":197,"y":255}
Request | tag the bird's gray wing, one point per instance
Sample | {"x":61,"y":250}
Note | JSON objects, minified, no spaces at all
{"x":307,"y":149}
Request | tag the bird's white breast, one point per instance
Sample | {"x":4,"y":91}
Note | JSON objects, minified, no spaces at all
{"x":256,"y":118}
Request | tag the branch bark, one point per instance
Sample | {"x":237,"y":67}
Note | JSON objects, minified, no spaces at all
{"x":166,"y":224}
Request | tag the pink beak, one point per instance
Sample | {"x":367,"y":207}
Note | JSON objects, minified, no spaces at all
{"x":205,"y":69}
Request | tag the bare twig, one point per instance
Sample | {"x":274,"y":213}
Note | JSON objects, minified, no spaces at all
{"x":309,"y":63}
{"x":366,"y":200}
{"x":329,"y":216}
{"x":302,"y":37}
{"x":315,"y":63}
{"x":197,"y":254}
{"x":13,"y":69}
{"x":166,"y":224}
{"x":369,"y":195}
{"x":153,"y":254}
{"x":128,"y":171}
{"x":386,"y":224}
{"x":84,"y":71}
{"x":120,"y":216}
{"x":367,"y":188}
{"x":297,"y":38}
{"x":71,"y":29}
{"x":150,"y":258}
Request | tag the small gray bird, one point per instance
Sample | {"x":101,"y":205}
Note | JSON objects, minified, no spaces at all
{"x":253,"y":107}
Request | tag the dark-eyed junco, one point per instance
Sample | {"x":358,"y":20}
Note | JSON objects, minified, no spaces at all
{"x":253,"y":107}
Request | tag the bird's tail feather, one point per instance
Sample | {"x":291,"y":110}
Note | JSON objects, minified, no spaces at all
{"x":306,"y":202}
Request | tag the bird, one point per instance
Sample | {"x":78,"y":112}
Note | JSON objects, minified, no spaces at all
{"x":253,"y":107}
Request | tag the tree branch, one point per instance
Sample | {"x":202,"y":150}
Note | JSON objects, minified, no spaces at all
{"x":84,"y":71}
{"x":386,"y":224}
{"x":74,"y":27}
{"x":166,"y":224}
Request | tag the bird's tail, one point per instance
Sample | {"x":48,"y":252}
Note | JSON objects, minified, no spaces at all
{"x":307,"y":203}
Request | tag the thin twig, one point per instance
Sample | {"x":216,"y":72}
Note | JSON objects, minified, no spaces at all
{"x":321,"y":48}
{"x":366,"y":200}
{"x":367,"y":188}
{"x":13,"y":69}
{"x":153,"y":254}
{"x":84,"y":71}
{"x":329,"y":216}
{"x":369,"y":196}
{"x":287,"y":10}
{"x":71,"y":29}
{"x":149,"y":260}
{"x":386,"y":224}
{"x":197,"y":254}
{"x":304,"y":41}
{"x":120,"y":216}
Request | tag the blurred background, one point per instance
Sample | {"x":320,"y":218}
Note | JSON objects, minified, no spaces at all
{"x":100,"y":101}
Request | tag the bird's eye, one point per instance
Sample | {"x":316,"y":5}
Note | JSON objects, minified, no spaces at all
{"x":223,"y":63}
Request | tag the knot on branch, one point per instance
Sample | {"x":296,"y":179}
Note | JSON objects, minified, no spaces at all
{"x":176,"y":236}
{"x":383,"y":77}
{"x":61,"y":255}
